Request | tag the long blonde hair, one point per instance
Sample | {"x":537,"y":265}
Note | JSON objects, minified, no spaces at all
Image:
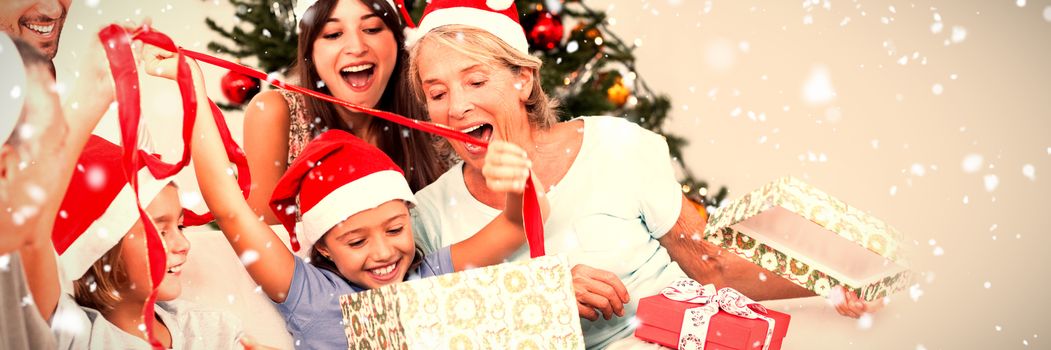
{"x":99,"y":287}
{"x":485,"y":47}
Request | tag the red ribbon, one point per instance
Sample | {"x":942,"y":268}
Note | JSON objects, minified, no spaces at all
{"x":117,"y":43}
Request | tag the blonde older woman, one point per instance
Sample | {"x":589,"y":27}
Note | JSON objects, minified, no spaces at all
{"x":616,"y":209}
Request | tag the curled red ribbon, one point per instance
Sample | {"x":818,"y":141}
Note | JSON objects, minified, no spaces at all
{"x":117,"y":43}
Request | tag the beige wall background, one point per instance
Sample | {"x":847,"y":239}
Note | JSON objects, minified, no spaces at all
{"x":933,"y":115}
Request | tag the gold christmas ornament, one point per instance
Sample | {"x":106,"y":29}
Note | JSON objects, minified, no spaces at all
{"x":618,"y":93}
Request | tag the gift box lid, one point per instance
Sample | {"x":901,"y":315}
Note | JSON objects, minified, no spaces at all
{"x":728,"y":330}
{"x":793,"y":229}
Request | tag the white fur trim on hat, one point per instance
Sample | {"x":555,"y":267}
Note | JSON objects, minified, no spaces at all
{"x":367,"y":192}
{"x":110,"y":227}
{"x":303,"y":5}
{"x":12,"y":87}
{"x":494,"y":22}
{"x":499,"y":5}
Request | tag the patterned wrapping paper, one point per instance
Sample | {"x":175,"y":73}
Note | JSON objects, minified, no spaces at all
{"x":519,"y":305}
{"x":755,"y":228}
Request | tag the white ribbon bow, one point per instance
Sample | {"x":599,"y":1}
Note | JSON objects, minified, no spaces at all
{"x":695,"y":321}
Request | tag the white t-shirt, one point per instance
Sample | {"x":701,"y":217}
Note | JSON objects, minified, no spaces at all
{"x":618,"y":197}
{"x":191,"y":328}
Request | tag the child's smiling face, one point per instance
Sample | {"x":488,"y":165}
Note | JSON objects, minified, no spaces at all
{"x":374,"y":247}
{"x":166,"y":213}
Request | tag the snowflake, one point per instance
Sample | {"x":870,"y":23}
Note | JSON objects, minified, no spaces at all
{"x":1029,"y":172}
{"x":1047,"y":13}
{"x":991,"y":182}
{"x":937,"y":89}
{"x":249,"y":256}
{"x":5,"y":261}
{"x":936,"y":27}
{"x":818,"y":87}
{"x":959,"y":33}
{"x":96,"y":177}
{"x":918,"y":169}
{"x":938,"y":251}
{"x":865,"y":321}
{"x":972,"y":162}
{"x":915,"y":292}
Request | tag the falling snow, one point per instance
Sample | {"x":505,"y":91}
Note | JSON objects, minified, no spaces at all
{"x":865,"y":321}
{"x":249,"y":256}
{"x":959,"y":33}
{"x":1029,"y":172}
{"x":818,"y":87}
{"x":918,"y":169}
{"x":5,"y":260}
{"x":915,"y":292}
{"x":1047,"y":13}
{"x":96,"y":177}
{"x":991,"y":182}
{"x":972,"y":162}
{"x":937,"y":89}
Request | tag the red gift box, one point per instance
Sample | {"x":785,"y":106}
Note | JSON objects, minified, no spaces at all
{"x":660,"y":321}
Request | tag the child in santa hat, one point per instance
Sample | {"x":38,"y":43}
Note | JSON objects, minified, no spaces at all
{"x":355,"y":206}
{"x":102,"y":246}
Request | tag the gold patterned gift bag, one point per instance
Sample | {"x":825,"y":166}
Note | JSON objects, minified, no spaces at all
{"x":518,"y":305}
{"x":812,"y":239}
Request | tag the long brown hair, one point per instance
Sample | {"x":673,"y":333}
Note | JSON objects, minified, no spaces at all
{"x":412,"y":150}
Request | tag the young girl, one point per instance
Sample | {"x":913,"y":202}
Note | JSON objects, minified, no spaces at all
{"x":102,"y":246}
{"x":353,"y":50}
{"x":355,"y":206}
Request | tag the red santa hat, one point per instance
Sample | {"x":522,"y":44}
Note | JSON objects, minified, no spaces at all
{"x":499,"y":17}
{"x":99,"y":207}
{"x":337,"y":175}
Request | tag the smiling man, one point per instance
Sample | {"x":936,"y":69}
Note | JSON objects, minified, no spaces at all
{"x":37,"y":22}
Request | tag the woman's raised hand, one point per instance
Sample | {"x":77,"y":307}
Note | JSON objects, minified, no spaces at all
{"x":506,"y":167}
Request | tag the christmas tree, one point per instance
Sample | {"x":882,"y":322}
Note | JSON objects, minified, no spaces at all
{"x":588,"y":68}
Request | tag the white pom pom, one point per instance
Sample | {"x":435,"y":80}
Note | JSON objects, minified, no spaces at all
{"x":499,"y":5}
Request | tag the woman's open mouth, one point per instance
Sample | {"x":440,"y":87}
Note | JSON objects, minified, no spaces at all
{"x":359,"y":76}
{"x":481,"y":132}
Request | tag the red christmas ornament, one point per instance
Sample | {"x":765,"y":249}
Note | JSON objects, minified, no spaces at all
{"x":239,"y":88}
{"x":544,"y":30}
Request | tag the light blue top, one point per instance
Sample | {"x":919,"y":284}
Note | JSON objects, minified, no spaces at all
{"x":312,"y":312}
{"x":616,"y":200}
